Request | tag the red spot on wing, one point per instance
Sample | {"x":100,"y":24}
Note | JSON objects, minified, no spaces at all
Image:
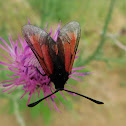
{"x":72,"y":43}
{"x":72,"y":49}
{"x":71,"y":64}
{"x":67,"y":56}
{"x":34,"y":40}
{"x":42,"y":63}
{"x":56,"y":49}
{"x":47,"y":58}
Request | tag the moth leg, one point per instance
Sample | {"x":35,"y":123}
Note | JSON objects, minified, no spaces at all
{"x":37,"y":70}
{"x":49,"y":83}
{"x":40,"y":72}
{"x":28,"y":66}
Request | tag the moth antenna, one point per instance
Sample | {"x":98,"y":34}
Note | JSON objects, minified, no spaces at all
{"x":35,"y":103}
{"x":93,"y":100}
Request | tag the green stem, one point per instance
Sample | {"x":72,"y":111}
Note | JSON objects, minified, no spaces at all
{"x":102,"y":41}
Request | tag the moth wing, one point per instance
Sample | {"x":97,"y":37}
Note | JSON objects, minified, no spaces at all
{"x":68,"y":41}
{"x":42,"y":45}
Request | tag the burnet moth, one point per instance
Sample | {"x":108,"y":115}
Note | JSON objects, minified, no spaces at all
{"x":56,"y":58}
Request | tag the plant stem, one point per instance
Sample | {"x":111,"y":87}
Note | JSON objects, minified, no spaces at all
{"x":102,"y":41}
{"x":18,"y":115}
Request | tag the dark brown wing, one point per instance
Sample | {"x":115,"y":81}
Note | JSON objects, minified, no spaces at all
{"x":67,"y":43}
{"x":42,"y":45}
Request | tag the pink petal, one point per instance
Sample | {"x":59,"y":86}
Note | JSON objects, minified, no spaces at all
{"x":78,"y":68}
{"x":4,"y":48}
{"x":24,"y":94}
{"x":71,"y":86}
{"x":29,"y":98}
{"x":12,"y":90}
{"x":21,"y":41}
{"x":62,"y":95}
{"x":5,"y":57}
{"x":11,"y":76}
{"x":70,"y":93}
{"x":6,"y":85}
{"x":6,"y":81}
{"x":11,"y":42}
{"x":39,"y":91}
{"x":28,"y":20}
{"x":10,"y":68}
{"x":5,"y":64}
{"x":80,"y":74}
{"x":4,"y":69}
{"x":56,"y":32}
{"x":46,"y":27}
{"x":50,"y":32}
{"x":75,"y":78}
{"x":5,"y":43}
{"x":55,"y":106}
{"x":34,"y":95}
{"x":49,"y":104}
{"x":8,"y":88}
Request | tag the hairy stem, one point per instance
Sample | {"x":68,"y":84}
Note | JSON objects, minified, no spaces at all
{"x":102,"y":41}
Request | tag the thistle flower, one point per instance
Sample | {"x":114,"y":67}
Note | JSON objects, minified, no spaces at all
{"x":24,"y":65}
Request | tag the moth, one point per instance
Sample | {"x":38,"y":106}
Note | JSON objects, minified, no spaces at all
{"x":55,"y":57}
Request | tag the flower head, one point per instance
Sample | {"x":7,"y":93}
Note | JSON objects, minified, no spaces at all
{"x":27,"y":70}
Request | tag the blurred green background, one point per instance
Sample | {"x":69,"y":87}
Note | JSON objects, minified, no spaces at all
{"x":102,"y":50}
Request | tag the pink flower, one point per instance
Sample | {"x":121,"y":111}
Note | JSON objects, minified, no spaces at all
{"x":24,"y":64}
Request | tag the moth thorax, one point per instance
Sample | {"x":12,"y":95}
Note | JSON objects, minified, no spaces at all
{"x":59,"y":86}
{"x":60,"y":79}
